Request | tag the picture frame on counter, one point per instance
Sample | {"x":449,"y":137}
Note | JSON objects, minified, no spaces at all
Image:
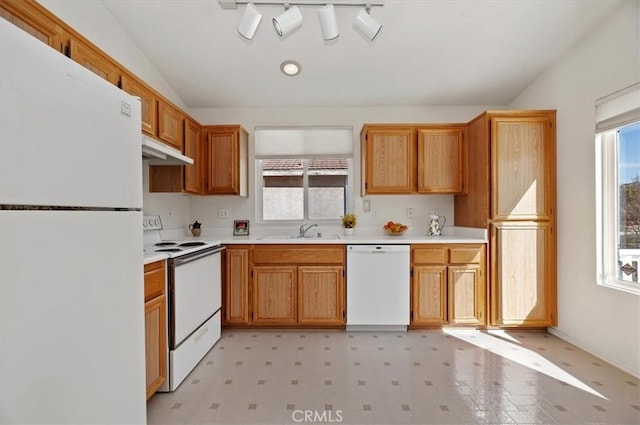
{"x":240,"y":227}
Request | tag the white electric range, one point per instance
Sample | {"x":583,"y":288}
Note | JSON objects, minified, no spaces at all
{"x":194,"y":298}
{"x":153,"y":241}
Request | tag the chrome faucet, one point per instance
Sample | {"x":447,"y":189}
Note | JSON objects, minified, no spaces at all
{"x":304,"y":230}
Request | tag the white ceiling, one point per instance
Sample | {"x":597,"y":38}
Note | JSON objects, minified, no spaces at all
{"x":429,"y":52}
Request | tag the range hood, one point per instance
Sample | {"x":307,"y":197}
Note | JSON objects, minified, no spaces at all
{"x":160,"y":154}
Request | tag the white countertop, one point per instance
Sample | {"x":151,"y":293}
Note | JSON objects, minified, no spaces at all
{"x":374,"y":236}
{"x":363,"y":236}
{"x":152,"y":257}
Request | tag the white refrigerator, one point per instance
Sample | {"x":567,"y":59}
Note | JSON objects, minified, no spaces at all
{"x":71,"y":275}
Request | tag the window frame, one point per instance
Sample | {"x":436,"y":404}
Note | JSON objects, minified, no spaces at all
{"x":259,"y":189}
{"x":608,"y":211}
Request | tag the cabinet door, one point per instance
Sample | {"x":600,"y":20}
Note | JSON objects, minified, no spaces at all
{"x":440,"y":160}
{"x":523,"y":290}
{"x":170,"y":127}
{"x":388,"y":160}
{"x":93,"y":60}
{"x":155,"y":343}
{"x":429,"y":295}
{"x":523,"y":167}
{"x":227,"y":166}
{"x":274,"y":295}
{"x":466,"y":295}
{"x":320,"y":295}
{"x":236,"y":307}
{"x":193,"y":149}
{"x":148,"y":102}
{"x":472,"y":209}
{"x":30,"y":17}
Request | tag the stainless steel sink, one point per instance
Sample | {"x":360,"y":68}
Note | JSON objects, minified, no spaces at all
{"x":295,"y":237}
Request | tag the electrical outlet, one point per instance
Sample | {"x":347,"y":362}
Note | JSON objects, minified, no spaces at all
{"x":374,"y":212}
{"x":223,"y":212}
{"x":409,"y":212}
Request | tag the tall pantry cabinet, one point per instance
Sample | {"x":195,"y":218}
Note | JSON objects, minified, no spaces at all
{"x":512,"y":192}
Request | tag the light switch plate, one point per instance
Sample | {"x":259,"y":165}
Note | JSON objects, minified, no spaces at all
{"x":366,"y":205}
{"x":223,"y":212}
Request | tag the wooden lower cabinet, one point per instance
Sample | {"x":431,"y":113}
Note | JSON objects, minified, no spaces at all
{"x":284,"y":285}
{"x":155,"y":323}
{"x":429,"y":297}
{"x":466,"y":295}
{"x":523,"y":279}
{"x":274,"y":295}
{"x":236,"y":288}
{"x":320,"y":295}
{"x":448,"y":285}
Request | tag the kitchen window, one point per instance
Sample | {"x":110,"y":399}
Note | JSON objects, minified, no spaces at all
{"x":304,"y":189}
{"x":303,"y":173}
{"x":618,"y":189}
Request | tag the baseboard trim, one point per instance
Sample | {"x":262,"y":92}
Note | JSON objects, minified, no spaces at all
{"x":630,"y":369}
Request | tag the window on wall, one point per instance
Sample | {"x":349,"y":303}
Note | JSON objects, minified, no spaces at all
{"x":303,"y":173}
{"x":304,"y":188}
{"x":618,"y":190}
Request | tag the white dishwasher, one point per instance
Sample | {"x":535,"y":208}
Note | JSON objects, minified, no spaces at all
{"x":378,"y":284}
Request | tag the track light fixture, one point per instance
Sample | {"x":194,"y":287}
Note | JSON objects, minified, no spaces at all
{"x":328,"y":22}
{"x":249,"y":22}
{"x":366,"y":24}
{"x":288,"y":21}
{"x":291,"y":18}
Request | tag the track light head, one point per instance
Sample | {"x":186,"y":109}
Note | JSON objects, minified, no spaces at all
{"x":249,"y":22}
{"x":366,"y":24}
{"x":328,"y":22}
{"x":287,"y":22}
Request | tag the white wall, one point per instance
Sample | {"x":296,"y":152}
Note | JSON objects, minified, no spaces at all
{"x":603,"y":321}
{"x":389,"y":207}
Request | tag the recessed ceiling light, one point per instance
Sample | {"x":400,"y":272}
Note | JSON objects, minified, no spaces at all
{"x":290,"y":68}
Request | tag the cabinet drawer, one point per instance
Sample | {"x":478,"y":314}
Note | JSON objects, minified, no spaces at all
{"x":154,"y":279}
{"x":466,"y":255}
{"x":430,"y":256}
{"x":298,"y":254}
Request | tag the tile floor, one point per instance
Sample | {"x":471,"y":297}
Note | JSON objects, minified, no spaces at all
{"x":418,"y":377}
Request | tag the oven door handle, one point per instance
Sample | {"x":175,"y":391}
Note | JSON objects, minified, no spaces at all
{"x":197,"y":255}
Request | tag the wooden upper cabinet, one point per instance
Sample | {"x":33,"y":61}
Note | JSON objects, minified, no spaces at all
{"x":511,"y":168}
{"x":32,"y":18}
{"x":413,"y":158}
{"x":148,"y":100}
{"x":226,"y":149}
{"x":193,"y":149}
{"x":441,"y":160}
{"x":522,"y":169}
{"x":472,"y":209}
{"x":170,"y":125}
{"x":388,"y":155}
{"x":94,"y":60}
